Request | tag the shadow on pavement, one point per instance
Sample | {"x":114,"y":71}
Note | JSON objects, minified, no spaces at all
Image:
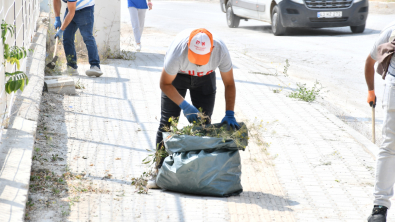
{"x":270,"y":200}
{"x":260,"y":83}
{"x":109,"y":80}
{"x":313,"y":31}
{"x":263,"y":200}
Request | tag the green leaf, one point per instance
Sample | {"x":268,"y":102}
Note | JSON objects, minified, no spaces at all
{"x":7,"y":88}
{"x":18,"y":64}
{"x":17,"y":84}
{"x":17,"y":73}
{"x":6,"y":51}
{"x":22,"y":85}
{"x":12,"y":86}
{"x":13,"y":60}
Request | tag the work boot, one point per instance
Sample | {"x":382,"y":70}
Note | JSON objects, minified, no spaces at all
{"x":379,"y":214}
{"x":138,"y":47}
{"x":94,"y":71}
{"x":151,"y":184}
{"x":71,"y":71}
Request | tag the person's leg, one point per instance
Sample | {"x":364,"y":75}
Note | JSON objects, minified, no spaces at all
{"x":68,"y":43}
{"x":134,"y":18}
{"x":203,"y":96}
{"x":141,"y":20}
{"x":85,"y":20}
{"x":169,"y":109}
{"x":385,"y":174}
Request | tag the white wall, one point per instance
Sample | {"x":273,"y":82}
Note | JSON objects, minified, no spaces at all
{"x":44,"y":6}
{"x":108,"y":25}
{"x":23,"y":14}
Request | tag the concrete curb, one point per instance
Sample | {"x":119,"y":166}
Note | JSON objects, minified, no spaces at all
{"x":18,"y":139}
{"x":381,"y":7}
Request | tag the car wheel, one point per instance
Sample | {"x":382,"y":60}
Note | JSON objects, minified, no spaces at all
{"x":223,"y":6}
{"x":357,"y":29}
{"x":277,"y":27}
{"x":232,"y":19}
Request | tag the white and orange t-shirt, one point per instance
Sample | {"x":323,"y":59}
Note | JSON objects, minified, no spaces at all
{"x":176,"y":59}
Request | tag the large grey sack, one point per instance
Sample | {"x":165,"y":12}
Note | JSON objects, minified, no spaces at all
{"x":216,"y":173}
{"x":202,"y":165}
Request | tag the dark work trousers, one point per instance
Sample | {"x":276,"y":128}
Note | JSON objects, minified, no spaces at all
{"x":202,"y":91}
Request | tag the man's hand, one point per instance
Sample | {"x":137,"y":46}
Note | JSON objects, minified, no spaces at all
{"x":190,"y":112}
{"x":372,"y":98}
{"x":59,"y":34}
{"x":149,"y":5}
{"x":230,"y":120}
{"x":57,"y":23}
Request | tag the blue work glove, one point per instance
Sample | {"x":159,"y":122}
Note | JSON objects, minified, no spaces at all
{"x":230,"y":120}
{"x":57,"y":23}
{"x":190,"y":112}
{"x":59,"y":34}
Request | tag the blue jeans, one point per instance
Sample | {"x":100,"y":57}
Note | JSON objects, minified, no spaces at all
{"x":83,"y":20}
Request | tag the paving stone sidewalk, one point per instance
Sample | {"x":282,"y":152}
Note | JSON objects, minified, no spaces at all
{"x":313,"y":170}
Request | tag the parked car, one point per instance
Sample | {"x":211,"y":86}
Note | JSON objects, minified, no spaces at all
{"x":298,"y":13}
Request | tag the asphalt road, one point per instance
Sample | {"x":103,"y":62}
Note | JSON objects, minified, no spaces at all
{"x":333,"y":56}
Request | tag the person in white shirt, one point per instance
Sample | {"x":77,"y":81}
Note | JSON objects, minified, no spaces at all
{"x":79,"y":15}
{"x":190,"y":64}
{"x":385,"y":171}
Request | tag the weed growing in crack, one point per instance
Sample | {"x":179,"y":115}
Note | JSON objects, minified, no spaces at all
{"x":73,"y":200}
{"x":55,"y":190}
{"x":278,"y":90}
{"x":55,"y":157}
{"x":29,"y":204}
{"x":127,"y":55}
{"x":65,"y":213}
{"x":287,"y":65}
{"x":67,"y":168}
{"x":305,"y":94}
{"x":79,"y":84}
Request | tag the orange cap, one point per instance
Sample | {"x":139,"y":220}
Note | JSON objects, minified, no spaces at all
{"x":200,"y":46}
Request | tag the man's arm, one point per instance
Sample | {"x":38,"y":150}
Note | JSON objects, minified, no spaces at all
{"x":369,"y":77}
{"x":57,"y":5}
{"x":369,"y":72}
{"x":230,"y":89}
{"x":167,"y":87}
{"x":70,"y":15}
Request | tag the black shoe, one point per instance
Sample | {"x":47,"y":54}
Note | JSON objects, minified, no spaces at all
{"x":379,"y":214}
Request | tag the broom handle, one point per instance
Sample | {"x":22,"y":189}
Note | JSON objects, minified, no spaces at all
{"x":373,"y":125}
{"x":56,"y":45}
